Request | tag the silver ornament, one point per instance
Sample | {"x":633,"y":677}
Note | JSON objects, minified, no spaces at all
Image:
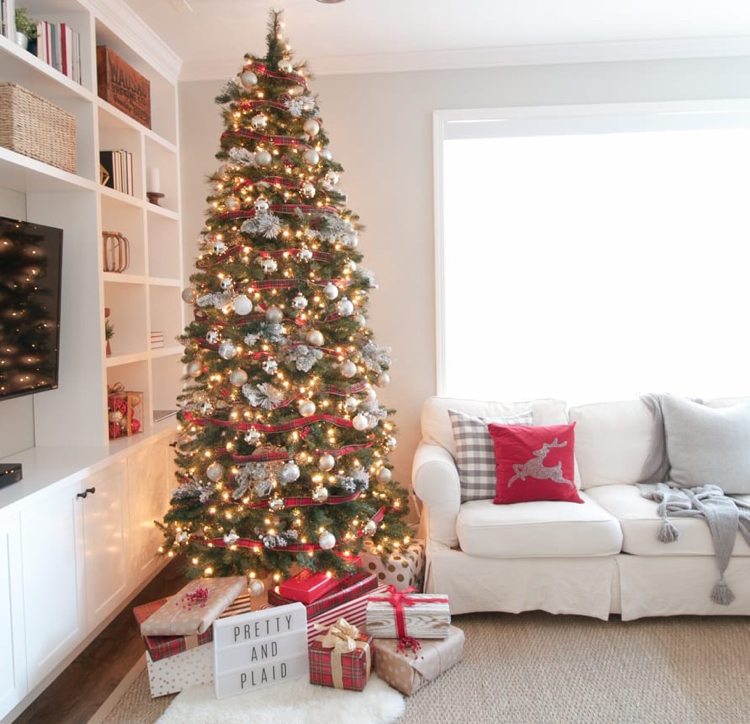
{"x":276,"y":504}
{"x":326,"y":154}
{"x":360,"y":422}
{"x":219,"y":247}
{"x":299,"y":302}
{"x":182,"y":537}
{"x":320,"y":494}
{"x":214,"y":471}
{"x":274,"y":315}
{"x":326,"y":462}
{"x":227,"y":283}
{"x":311,"y":157}
{"x":351,"y":404}
{"x":370,"y":528}
{"x":391,"y":442}
{"x":304,"y":254}
{"x":232,"y":203}
{"x":383,"y":379}
{"x":242,"y":305}
{"x":315,"y":338}
{"x":311,"y":127}
{"x":331,"y":178}
{"x":327,"y":540}
{"x":258,"y":122}
{"x":306,"y":408}
{"x":307,"y":190}
{"x":331,"y":291}
{"x":351,"y":265}
{"x":270,"y":366}
{"x":268,"y":265}
{"x":384,"y":475}
{"x":348,"y":369}
{"x":188,"y":295}
{"x":206,"y":408}
{"x":261,"y":206}
{"x":371,"y":394}
{"x":252,"y":436}
{"x":248,"y":79}
{"x":289,"y":473}
{"x":345,"y":308}
{"x":256,"y":587}
{"x":263,"y":158}
{"x":227,"y":350}
{"x":212,"y":336}
{"x":231,"y":538}
{"x":194,"y":367}
{"x":360,"y":319}
{"x":238,"y":377}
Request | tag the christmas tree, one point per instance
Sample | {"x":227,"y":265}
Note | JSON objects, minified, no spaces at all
{"x":283,"y":446}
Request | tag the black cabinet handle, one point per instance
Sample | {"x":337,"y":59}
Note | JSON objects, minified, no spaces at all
{"x":85,"y":493}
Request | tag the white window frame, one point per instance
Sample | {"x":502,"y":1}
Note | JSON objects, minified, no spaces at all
{"x":538,"y":120}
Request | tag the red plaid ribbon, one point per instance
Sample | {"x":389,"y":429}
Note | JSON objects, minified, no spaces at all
{"x":262,"y":68}
{"x":281,"y":427}
{"x":274,"y":140}
{"x":278,"y":209}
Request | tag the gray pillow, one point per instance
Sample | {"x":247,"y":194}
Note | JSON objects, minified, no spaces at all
{"x":708,"y":445}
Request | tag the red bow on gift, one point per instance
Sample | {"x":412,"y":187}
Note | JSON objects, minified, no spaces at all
{"x":400,"y":599}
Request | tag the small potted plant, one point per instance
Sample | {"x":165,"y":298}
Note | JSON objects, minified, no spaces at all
{"x":25,"y":28}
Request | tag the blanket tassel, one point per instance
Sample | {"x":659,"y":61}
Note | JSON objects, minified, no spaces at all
{"x":722,"y":594}
{"x":668,"y":533}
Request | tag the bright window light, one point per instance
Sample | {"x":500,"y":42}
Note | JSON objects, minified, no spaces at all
{"x":596,"y":266}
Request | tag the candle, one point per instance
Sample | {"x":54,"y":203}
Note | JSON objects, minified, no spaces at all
{"x":153,"y":180}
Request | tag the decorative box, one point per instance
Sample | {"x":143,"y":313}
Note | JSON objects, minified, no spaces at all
{"x":34,"y":127}
{"x":341,"y":657}
{"x":307,"y":586}
{"x":124,"y":412}
{"x":353,"y":611}
{"x":346,"y":589}
{"x":121,"y":85}
{"x":402,"y":569}
{"x":402,"y":615}
{"x":409,"y":672}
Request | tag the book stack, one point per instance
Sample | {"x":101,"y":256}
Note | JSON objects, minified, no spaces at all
{"x":60,"y":46}
{"x":157,"y":340}
{"x":119,"y":168}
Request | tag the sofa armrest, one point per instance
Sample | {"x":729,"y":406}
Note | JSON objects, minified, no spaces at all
{"x":435,"y":481}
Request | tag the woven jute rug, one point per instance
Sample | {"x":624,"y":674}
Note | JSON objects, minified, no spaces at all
{"x":536,"y":667}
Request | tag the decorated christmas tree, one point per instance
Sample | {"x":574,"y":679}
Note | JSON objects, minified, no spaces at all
{"x":283,"y":447}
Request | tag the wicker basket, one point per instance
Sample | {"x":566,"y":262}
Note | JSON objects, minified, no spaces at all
{"x":37,"y":128}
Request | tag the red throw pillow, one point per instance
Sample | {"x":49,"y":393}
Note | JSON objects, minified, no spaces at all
{"x":534,"y":463}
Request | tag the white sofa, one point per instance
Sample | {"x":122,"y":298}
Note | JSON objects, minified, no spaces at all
{"x":593,"y":559}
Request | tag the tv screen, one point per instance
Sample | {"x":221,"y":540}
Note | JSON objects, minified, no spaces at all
{"x":30,"y":268}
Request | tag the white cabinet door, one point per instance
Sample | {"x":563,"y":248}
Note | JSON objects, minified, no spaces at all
{"x":52,"y":561}
{"x":104,"y":529}
{"x":148,"y":501}
{"x":12,"y":662}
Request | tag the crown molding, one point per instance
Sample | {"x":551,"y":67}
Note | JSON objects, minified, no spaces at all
{"x":122,"y":20}
{"x":607,"y":52}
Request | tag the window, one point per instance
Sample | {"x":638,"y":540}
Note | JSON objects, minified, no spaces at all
{"x":593,"y":253}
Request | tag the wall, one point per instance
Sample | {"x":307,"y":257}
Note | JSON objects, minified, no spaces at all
{"x":380,"y":127}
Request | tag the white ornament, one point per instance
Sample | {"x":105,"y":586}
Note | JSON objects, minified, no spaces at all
{"x":182,"y":537}
{"x":212,"y":336}
{"x":299,"y":302}
{"x":256,"y":587}
{"x":232,"y":203}
{"x":320,"y":494}
{"x":311,"y":157}
{"x":351,"y":265}
{"x":370,"y":528}
{"x":285,"y":66}
{"x":383,"y":379}
{"x":219,"y":247}
{"x":231,"y":538}
{"x":306,"y":408}
{"x":351,"y":404}
{"x":348,"y":369}
{"x":270,"y":366}
{"x":327,"y":540}
{"x":315,"y":338}
{"x":252,"y":436}
{"x":311,"y":127}
{"x":188,"y":295}
{"x":371,"y":394}
{"x":227,"y":283}
{"x":289,"y":473}
{"x":238,"y":377}
{"x":274,"y":315}
{"x":331,"y":178}
{"x":360,"y":422}
{"x":214,"y":471}
{"x":258,"y":122}
{"x":263,"y":158}
{"x":384,"y":475}
{"x":267,"y":264}
{"x":227,"y":350}
{"x":345,"y":308}
{"x":261,"y":206}
{"x":242,"y":305}
{"x":326,"y":154}
{"x":307,"y":190}
{"x":331,"y":291}
{"x":360,"y":320}
{"x":248,"y":79}
{"x":194,"y":368}
{"x":276,"y":504}
{"x":391,"y":442}
{"x":326,"y":462}
{"x":304,"y":254}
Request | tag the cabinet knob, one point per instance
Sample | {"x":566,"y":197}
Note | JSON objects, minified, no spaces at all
{"x":85,"y":493}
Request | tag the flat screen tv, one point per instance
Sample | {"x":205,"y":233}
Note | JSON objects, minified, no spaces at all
{"x":30,"y":269}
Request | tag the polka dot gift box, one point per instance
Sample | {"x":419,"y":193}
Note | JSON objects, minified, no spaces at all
{"x":402,"y":569}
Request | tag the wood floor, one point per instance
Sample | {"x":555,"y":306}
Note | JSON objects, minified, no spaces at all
{"x":75,"y":696}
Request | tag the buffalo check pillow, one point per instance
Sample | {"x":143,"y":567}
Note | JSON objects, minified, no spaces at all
{"x":475,"y":452}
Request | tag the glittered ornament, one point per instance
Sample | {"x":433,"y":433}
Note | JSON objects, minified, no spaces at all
{"x":306,"y":408}
{"x":370,"y":528}
{"x":307,"y":190}
{"x":383,"y":379}
{"x":238,"y":377}
{"x":231,"y":538}
{"x":326,"y":462}
{"x":261,"y":206}
{"x":384,"y":475}
{"x":285,"y":66}
{"x":270,"y":366}
{"x":214,"y":471}
{"x":311,"y":156}
{"x":263,"y":158}
{"x":256,"y":587}
{"x":315,"y":338}
{"x":311,"y":127}
{"x":360,"y":422}
{"x":345,"y":308}
{"x":227,"y":350}
{"x":194,"y":367}
{"x":304,"y":254}
{"x":188,"y":295}
{"x":227,"y":283}
{"x":268,"y":265}
{"x":320,"y":494}
{"x":259,"y":122}
{"x":252,"y":436}
{"x":219,"y":247}
{"x":206,"y":408}
{"x":331,"y":291}
{"x":232,"y":203}
{"x":289,"y":473}
{"x":299,"y":302}
{"x":212,"y":336}
{"x":274,"y":315}
{"x":351,"y":404}
{"x":348,"y":369}
{"x":327,"y":540}
{"x":242,"y":305}
{"x":182,"y":537}
{"x":331,"y":178}
{"x":248,"y":79}
{"x":276,"y":504}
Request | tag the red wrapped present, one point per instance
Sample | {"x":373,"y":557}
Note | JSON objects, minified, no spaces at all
{"x":307,"y":586}
{"x":341,"y":657}
{"x":354,"y":611}
{"x":346,"y":589}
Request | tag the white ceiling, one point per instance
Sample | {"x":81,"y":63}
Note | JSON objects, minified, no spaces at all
{"x":386,"y":35}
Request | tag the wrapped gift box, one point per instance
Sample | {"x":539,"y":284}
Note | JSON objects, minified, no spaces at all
{"x":348,"y":588}
{"x":423,"y":615}
{"x":353,"y":611}
{"x":342,"y":669}
{"x":409,"y":672}
{"x":402,"y":569}
{"x":307,"y":586}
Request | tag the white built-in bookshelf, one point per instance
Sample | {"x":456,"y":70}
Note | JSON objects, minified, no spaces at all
{"x":145,"y":297}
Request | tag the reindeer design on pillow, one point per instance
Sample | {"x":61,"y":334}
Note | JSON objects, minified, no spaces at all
{"x":535,"y":468}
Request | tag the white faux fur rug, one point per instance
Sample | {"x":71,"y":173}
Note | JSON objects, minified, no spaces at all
{"x":293,"y":702}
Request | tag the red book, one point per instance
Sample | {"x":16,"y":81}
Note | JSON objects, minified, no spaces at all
{"x":307,"y":586}
{"x":347,"y":589}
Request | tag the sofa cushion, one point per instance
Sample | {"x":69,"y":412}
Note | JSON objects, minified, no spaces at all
{"x":641,"y":524}
{"x":619,"y":443}
{"x":542,"y":529}
{"x":708,"y":445}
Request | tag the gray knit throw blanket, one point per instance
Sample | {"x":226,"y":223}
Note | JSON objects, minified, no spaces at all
{"x":723,"y":515}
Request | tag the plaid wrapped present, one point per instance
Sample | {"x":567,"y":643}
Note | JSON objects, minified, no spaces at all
{"x":353,"y":586}
{"x":403,"y":568}
{"x":341,"y":657}
{"x":354,"y":611}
